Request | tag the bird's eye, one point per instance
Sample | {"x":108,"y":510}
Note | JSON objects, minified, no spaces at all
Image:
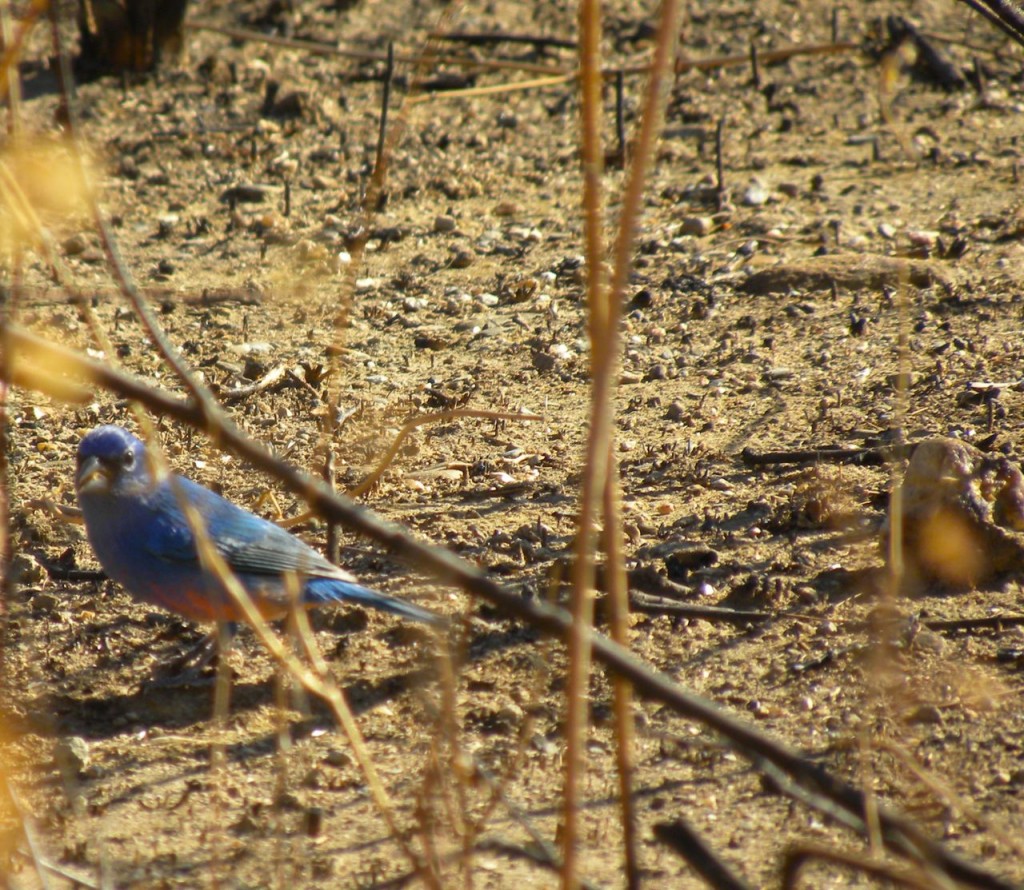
{"x":128,"y":460}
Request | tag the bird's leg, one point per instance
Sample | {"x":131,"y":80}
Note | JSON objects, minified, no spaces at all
{"x":300,"y":701}
{"x":192,"y":667}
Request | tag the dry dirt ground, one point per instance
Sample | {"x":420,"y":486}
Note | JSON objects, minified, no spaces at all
{"x":471,"y":294}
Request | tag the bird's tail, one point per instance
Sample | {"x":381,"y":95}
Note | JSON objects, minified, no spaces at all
{"x":334,"y":590}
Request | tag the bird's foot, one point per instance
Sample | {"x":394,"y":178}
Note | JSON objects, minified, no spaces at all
{"x":197,"y":666}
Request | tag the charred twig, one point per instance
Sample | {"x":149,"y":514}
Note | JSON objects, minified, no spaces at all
{"x":485,"y":38}
{"x":866,"y":457}
{"x":681,"y":837}
{"x":1004,"y":14}
{"x":647,"y":579}
{"x":657,"y":606}
{"x":994,"y":621}
{"x":621,"y":154}
{"x":800,"y":777}
{"x":509,"y":490}
{"x":329,"y":49}
{"x":58,"y":572}
{"x":273,"y":377}
{"x":385,"y":101}
{"x":333,"y":544}
{"x":720,"y":164}
{"x":766,"y":57}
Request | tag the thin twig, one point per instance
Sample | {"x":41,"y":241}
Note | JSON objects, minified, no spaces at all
{"x":385,"y":101}
{"x":681,"y":837}
{"x":605,"y":302}
{"x":720,"y":163}
{"x":622,"y":692}
{"x":658,"y":606}
{"x":329,"y":49}
{"x":948,"y":796}
{"x":271,"y":378}
{"x":577,"y":700}
{"x":861,"y":456}
{"x":75,"y":878}
{"x":620,"y":118}
{"x":797,"y":857}
{"x":995,"y":621}
{"x":1005,"y":15}
{"x":484,"y":38}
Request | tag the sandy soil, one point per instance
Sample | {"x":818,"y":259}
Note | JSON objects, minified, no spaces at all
{"x":471,"y":294}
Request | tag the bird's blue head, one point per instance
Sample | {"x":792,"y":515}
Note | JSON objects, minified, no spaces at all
{"x":109,"y":460}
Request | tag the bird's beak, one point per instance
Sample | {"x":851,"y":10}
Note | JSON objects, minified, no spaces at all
{"x":93,"y":477}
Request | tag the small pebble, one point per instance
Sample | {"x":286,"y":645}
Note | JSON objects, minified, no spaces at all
{"x":243,"y":194}
{"x":129,"y":167}
{"x":921,"y":238}
{"x":754,"y":195}
{"x":927,"y":714}
{"x":698,"y":226}
{"x":72,"y":752}
{"x":75,"y":245}
{"x":462,"y":258}
{"x":43,"y":603}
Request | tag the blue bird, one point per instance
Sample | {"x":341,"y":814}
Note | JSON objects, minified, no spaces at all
{"x":143,"y":541}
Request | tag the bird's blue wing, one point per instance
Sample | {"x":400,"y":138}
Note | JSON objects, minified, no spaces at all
{"x":248,"y":543}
